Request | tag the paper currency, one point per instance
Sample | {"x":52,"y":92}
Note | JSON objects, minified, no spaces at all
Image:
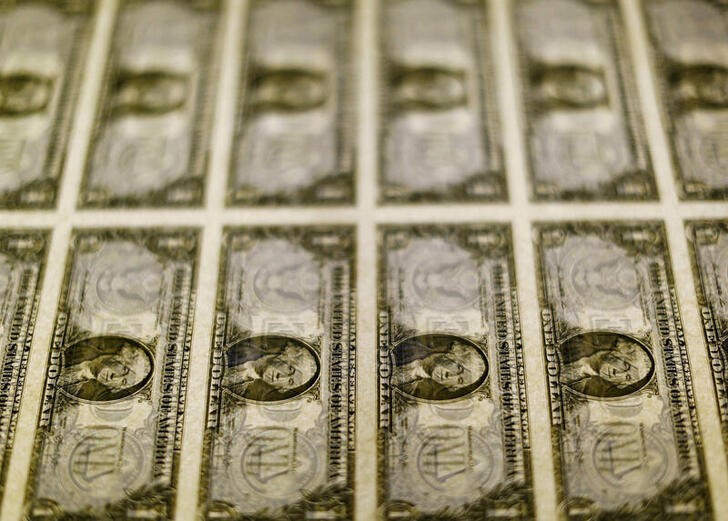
{"x":150,"y":142}
{"x":42,"y":52}
{"x":625,"y":436}
{"x":279,"y":442}
{"x":111,"y":415}
{"x":709,"y":241}
{"x":453,"y":425}
{"x":438,"y":139}
{"x":22,"y":263}
{"x":584,"y":136}
{"x":292,"y":143}
{"x":690,"y":44}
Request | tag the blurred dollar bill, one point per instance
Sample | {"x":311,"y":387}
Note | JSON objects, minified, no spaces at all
{"x":625,"y":436}
{"x":149,"y":146}
{"x":439,"y":139}
{"x":42,"y":53}
{"x":22,"y":262}
{"x":292,"y":142}
{"x":709,"y":241}
{"x":279,"y":441}
{"x":584,"y":137}
{"x":110,"y":422}
{"x":690,"y":50}
{"x":453,"y":425}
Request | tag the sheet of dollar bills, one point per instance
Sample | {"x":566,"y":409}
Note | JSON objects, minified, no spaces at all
{"x":395,"y":260}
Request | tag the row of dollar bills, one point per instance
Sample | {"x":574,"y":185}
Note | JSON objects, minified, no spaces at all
{"x":451,"y":402}
{"x":293,"y":136}
{"x":362,"y":353}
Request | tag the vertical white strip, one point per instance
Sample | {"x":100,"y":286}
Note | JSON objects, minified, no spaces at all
{"x":672,"y":212}
{"x":367,"y":49}
{"x":536,"y":386}
{"x":84,"y":112}
{"x":231,"y":28}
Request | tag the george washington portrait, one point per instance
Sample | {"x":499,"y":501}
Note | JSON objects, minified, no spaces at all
{"x":270,"y":368}
{"x":438,"y":367}
{"x":102,"y":369}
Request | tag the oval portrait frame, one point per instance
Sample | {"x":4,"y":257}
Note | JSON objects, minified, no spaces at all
{"x":127,"y":339}
{"x":429,"y":337}
{"x":633,"y":390}
{"x":279,"y":340}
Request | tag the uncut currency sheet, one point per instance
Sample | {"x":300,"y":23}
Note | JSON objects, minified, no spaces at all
{"x":446,"y":259}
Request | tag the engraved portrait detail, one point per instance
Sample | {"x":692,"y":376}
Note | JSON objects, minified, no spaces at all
{"x":150,"y":92}
{"x":24,"y":94}
{"x":700,"y":86}
{"x":569,"y":86}
{"x":438,"y":367}
{"x":293,"y":90}
{"x":605,"y":364}
{"x":428,"y":88}
{"x":103,"y":369}
{"x":270,"y":368}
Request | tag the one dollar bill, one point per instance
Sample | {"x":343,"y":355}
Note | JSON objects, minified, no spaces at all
{"x":709,"y":241}
{"x":149,"y":146}
{"x":690,"y":53}
{"x":439,"y":138}
{"x":22,"y":263}
{"x":42,"y":53}
{"x":584,"y":137}
{"x":453,"y":421}
{"x":279,"y":442}
{"x":293,"y":142}
{"x":626,"y":441}
{"x":110,"y":423}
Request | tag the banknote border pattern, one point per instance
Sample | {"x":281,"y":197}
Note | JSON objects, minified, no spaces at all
{"x":647,"y":509}
{"x":509,"y":495}
{"x":11,"y":404}
{"x":714,"y":337}
{"x":330,"y":497}
{"x":156,"y":497}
